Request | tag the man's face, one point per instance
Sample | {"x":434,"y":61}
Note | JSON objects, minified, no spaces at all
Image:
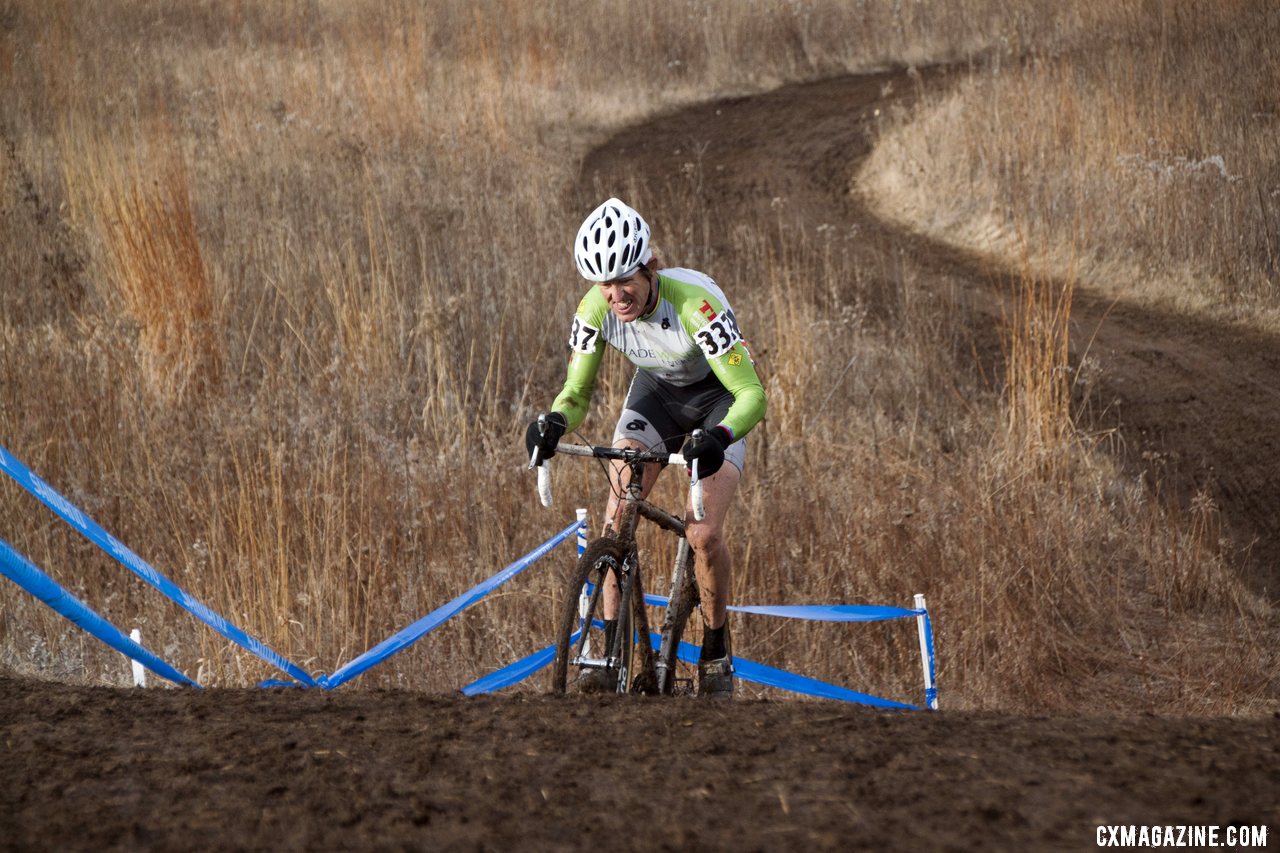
{"x":627,"y":297}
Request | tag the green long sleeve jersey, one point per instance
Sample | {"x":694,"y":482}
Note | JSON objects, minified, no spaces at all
{"x":690,"y":333}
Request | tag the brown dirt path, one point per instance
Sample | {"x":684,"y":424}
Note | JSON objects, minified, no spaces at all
{"x":104,"y":768}
{"x":101,"y":768}
{"x":1200,"y":398}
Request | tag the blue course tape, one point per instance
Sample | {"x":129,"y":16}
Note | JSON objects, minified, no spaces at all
{"x":25,"y":574}
{"x":814,"y":612}
{"x":520,"y":670}
{"x":410,"y":635}
{"x":515,"y":672}
{"x":745,"y":669}
{"x":830,"y":612}
{"x":90,"y":529}
{"x":772,"y":677}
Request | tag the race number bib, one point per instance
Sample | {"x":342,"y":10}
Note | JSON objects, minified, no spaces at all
{"x":583,"y":338}
{"x":718,"y":337}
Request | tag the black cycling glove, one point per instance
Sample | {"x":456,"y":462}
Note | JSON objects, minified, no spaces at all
{"x":547,"y":437}
{"x":708,"y":450}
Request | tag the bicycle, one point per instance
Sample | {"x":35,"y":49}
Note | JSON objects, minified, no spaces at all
{"x":581,"y":624}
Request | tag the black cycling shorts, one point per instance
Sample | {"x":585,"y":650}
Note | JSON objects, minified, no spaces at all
{"x":657,"y":412}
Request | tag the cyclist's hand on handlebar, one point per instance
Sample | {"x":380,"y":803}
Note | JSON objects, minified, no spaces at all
{"x":708,"y":450}
{"x":546,"y":435}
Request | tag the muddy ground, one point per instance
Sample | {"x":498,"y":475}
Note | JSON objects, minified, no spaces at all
{"x":108,"y":768}
{"x":100,"y":768}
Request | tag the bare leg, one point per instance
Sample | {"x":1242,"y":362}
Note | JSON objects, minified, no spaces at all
{"x":711,"y":559}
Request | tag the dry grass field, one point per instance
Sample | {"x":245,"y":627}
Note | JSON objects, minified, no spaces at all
{"x":282,"y":282}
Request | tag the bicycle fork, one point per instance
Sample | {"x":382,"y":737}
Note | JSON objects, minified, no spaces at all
{"x":587,"y":604}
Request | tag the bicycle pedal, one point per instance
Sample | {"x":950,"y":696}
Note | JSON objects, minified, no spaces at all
{"x":682,"y":687}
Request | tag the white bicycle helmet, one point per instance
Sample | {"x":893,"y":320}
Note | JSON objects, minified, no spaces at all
{"x":612,"y":243}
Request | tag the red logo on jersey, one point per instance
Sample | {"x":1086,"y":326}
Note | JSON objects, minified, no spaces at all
{"x":707,"y":311}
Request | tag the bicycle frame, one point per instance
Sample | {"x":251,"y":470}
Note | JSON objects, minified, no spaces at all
{"x":619,"y":550}
{"x":634,"y":504}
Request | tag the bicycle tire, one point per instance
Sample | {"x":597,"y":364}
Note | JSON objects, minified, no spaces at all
{"x":684,"y":597}
{"x":593,"y":566}
{"x":624,"y":637}
{"x":642,"y":674}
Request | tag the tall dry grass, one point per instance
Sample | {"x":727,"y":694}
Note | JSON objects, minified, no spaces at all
{"x":283,"y":283}
{"x":1047,"y":165}
{"x":1146,"y":161}
{"x":154,"y":264}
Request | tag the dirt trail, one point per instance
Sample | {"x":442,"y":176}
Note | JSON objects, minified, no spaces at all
{"x":99,"y":768}
{"x":1203,"y":399}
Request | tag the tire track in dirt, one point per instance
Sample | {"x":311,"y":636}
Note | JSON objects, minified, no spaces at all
{"x":1195,"y":403}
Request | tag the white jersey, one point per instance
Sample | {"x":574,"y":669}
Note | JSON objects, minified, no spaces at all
{"x":691,"y":323}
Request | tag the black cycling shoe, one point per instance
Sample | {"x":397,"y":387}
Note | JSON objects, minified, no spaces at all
{"x":715,"y":678}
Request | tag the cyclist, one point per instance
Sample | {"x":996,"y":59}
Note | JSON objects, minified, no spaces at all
{"x":692,"y":371}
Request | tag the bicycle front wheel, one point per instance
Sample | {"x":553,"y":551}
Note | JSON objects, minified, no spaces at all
{"x":581,"y":643}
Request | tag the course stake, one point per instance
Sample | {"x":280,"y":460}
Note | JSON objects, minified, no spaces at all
{"x":926,"y":653}
{"x":139,"y":671}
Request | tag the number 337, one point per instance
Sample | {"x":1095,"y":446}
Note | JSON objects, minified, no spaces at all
{"x":719,"y":335}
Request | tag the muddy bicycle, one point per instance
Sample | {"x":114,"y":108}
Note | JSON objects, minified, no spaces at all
{"x":625,"y":655}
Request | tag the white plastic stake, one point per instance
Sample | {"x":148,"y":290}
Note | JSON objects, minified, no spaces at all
{"x":139,"y":671}
{"x":931,"y":697}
